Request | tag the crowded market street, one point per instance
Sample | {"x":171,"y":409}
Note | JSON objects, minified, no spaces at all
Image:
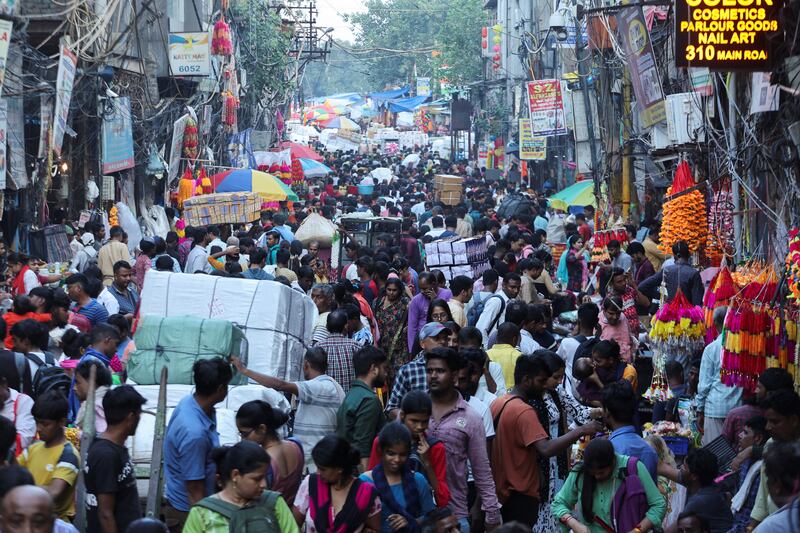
{"x":378,"y":266}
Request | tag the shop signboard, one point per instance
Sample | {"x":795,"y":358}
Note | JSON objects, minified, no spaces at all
{"x":67,"y":64}
{"x":546,"y":107}
{"x":5,"y":40}
{"x":531,"y":148}
{"x":3,"y":155}
{"x":189,"y":54}
{"x":423,"y":86}
{"x":727,"y":35}
{"x":118,"y":137}
{"x":641,"y":63}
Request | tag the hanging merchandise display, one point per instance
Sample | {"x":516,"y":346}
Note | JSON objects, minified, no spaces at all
{"x":221,"y":44}
{"x":297,"y":172}
{"x":676,"y":332}
{"x":719,"y":294}
{"x":684,"y":215}
{"x":749,"y":327}
{"x":793,"y":265}
{"x":678,"y":327}
{"x":190,"y":140}
{"x":185,"y":187}
{"x":720,"y":226}
{"x":496,"y":48}
{"x":113,"y":216}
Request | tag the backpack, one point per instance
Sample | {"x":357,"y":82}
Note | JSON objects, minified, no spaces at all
{"x":255,"y":518}
{"x":476,"y":310}
{"x":585,"y":348}
{"x":48,"y":377}
{"x":629,"y":506}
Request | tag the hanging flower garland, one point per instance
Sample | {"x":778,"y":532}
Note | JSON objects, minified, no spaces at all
{"x":185,"y":187}
{"x":190,"y":140}
{"x":221,"y":43}
{"x":677,"y":329}
{"x":684,"y":216}
{"x":113,"y":216}
{"x":749,"y":330}
{"x":720,"y":227}
{"x":719,"y":293}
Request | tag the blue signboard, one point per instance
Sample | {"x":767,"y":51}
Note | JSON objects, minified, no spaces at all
{"x":118,"y":137}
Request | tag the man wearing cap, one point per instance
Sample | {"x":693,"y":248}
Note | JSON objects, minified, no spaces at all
{"x":412,"y":376}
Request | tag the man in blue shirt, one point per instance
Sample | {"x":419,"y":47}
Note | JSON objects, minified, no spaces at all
{"x":619,"y":408}
{"x":279,"y":225}
{"x":189,"y":470}
{"x":78,"y":292}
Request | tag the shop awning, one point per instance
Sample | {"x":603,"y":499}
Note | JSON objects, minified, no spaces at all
{"x":408,"y":105}
{"x":390,"y":95}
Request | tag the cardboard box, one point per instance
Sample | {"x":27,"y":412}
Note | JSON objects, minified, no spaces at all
{"x":222,"y":208}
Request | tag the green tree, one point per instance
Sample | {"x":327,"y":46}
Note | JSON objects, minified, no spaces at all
{"x":438,"y":38}
{"x":264,"y":43}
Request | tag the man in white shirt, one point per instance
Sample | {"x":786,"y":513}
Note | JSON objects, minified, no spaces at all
{"x":588,"y":318}
{"x":318,"y":399}
{"x":213,"y":238}
{"x":437,"y":223}
{"x":494,"y":307}
{"x":17,"y":408}
{"x":197,"y":260}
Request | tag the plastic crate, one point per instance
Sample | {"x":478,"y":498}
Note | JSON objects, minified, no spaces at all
{"x":366,"y":190}
{"x":677,"y":445}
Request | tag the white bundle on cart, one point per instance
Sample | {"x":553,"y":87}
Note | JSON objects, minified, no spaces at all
{"x":277,"y":320}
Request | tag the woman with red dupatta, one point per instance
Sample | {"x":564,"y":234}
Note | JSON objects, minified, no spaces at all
{"x":333,"y":500}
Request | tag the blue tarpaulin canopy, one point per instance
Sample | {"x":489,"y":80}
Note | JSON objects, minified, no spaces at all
{"x":407,"y":104}
{"x":390,"y":95}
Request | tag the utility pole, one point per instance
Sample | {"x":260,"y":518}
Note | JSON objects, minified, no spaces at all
{"x":581,"y":56}
{"x":735,"y":193}
{"x":626,"y":146}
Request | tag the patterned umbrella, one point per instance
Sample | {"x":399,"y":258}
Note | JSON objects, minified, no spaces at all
{"x":268,"y":186}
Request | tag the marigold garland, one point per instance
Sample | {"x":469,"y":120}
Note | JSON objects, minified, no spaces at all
{"x":684,"y":216}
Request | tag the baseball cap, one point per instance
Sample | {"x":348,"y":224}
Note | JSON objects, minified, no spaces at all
{"x":432,"y":329}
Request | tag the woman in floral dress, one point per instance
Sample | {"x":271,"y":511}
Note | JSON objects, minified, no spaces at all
{"x":557,"y":409}
{"x":391,"y":314}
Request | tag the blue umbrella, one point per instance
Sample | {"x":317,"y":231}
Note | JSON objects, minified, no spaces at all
{"x":314,"y":169}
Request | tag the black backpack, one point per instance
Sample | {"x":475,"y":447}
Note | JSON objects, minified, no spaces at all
{"x":585,"y":348}
{"x":49,"y":376}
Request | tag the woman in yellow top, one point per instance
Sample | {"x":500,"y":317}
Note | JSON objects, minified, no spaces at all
{"x":243,"y":472}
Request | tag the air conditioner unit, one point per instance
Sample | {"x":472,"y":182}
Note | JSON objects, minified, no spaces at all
{"x":685,"y":118}
{"x":684,"y":123}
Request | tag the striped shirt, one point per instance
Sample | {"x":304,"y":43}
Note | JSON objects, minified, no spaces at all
{"x":94,"y":311}
{"x":318,"y":402}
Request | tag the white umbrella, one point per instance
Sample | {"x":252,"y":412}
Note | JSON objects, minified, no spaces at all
{"x":410,"y":159}
{"x":382,"y":174}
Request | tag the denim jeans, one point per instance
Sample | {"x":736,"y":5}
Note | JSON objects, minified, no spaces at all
{"x":464,"y":524}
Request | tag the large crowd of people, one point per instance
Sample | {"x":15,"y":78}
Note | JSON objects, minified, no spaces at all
{"x":427,"y":404}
